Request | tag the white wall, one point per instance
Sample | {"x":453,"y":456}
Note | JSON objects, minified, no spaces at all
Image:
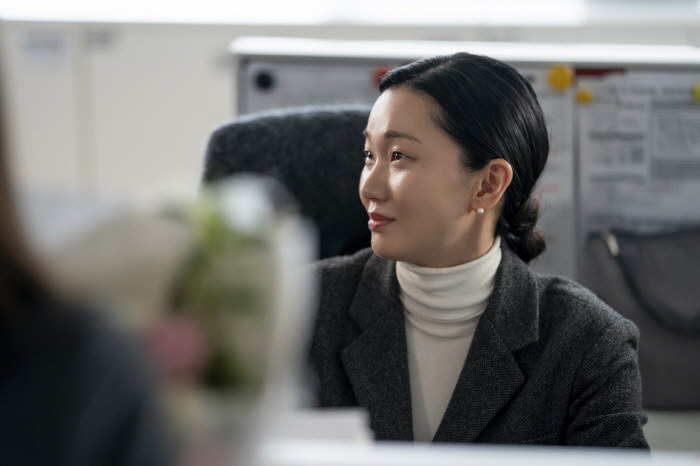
{"x":126,"y":107}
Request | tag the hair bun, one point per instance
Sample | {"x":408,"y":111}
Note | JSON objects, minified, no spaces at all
{"x":522,"y":234}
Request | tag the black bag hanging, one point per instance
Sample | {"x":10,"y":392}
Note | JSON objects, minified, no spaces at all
{"x":654,"y":280}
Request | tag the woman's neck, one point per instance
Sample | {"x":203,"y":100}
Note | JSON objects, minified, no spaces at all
{"x":477,"y":244}
{"x":449,"y":293}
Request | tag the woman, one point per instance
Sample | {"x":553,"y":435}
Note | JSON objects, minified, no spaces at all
{"x":440,"y":330}
{"x":73,"y":389}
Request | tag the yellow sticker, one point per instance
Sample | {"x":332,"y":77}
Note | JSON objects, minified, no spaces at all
{"x":697,"y":91}
{"x":560,"y":77}
{"x":584,"y":96}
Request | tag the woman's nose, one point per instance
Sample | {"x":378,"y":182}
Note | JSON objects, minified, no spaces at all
{"x":373,"y":183}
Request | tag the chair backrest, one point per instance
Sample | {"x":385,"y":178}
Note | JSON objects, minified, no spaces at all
{"x":651,"y":278}
{"x":316,"y":152}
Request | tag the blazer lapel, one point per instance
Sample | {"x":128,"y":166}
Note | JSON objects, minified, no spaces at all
{"x":377,"y":362}
{"x":491,"y":374}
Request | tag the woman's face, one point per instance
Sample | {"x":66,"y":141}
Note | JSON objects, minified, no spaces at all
{"x":415,"y":191}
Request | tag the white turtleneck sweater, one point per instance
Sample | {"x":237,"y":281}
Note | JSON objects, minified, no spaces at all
{"x":442,"y":307}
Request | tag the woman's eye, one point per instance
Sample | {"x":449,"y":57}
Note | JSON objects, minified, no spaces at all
{"x":368,"y":154}
{"x":397,"y":155}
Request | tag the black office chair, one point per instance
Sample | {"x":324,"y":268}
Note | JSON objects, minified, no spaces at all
{"x":316,"y":152}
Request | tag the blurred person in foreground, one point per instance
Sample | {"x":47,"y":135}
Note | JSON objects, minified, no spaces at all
{"x":73,"y":389}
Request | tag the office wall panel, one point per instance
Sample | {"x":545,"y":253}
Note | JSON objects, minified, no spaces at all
{"x":584,"y":91}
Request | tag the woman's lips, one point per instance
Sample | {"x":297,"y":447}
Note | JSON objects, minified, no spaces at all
{"x":377,"y":221}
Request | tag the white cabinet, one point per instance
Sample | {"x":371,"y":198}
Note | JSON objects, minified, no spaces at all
{"x":113,"y":108}
{"x":40,"y":63}
{"x":156,"y":96}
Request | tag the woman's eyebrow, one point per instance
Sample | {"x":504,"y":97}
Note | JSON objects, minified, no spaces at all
{"x":391,"y":134}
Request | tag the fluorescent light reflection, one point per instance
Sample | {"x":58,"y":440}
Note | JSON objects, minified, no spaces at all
{"x":390,"y":12}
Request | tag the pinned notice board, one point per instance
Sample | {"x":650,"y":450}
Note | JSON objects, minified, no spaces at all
{"x":639,"y":140}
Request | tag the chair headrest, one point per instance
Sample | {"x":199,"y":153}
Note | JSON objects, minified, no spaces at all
{"x":316,"y":152}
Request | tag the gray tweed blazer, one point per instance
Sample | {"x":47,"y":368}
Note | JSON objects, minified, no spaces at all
{"x":550,"y":364}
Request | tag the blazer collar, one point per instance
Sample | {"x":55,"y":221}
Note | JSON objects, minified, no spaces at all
{"x":513,"y":308}
{"x":491,"y":375}
{"x":377,"y":362}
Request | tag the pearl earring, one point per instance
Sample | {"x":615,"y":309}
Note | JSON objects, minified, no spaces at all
{"x":480,"y":210}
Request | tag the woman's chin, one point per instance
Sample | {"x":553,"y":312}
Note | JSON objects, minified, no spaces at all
{"x":385,"y":251}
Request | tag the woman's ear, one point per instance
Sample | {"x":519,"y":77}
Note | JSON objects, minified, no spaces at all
{"x":493,"y":180}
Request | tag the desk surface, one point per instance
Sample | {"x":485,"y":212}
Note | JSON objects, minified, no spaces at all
{"x":336,"y":453}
